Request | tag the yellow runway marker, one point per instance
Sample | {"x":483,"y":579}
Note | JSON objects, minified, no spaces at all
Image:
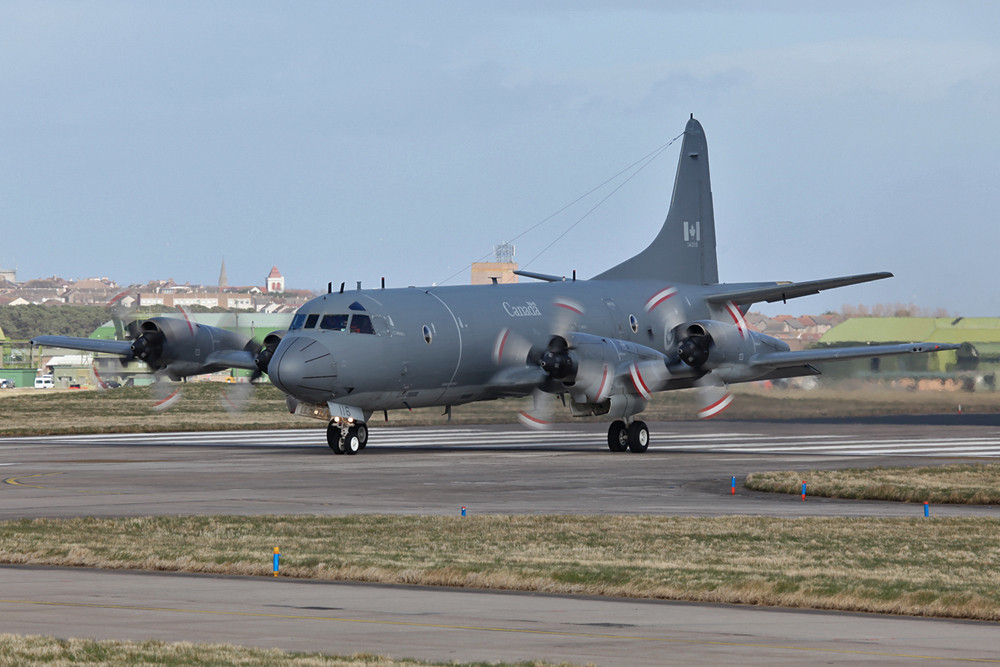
{"x":15,"y":481}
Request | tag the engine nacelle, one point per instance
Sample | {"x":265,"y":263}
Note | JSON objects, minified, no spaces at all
{"x":709,"y":344}
{"x":181,"y":347}
{"x":598,"y":362}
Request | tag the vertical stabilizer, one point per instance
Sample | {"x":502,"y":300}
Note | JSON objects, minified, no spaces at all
{"x":684,"y":250}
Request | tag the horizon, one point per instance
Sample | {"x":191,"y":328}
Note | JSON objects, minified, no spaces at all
{"x":351,"y":142}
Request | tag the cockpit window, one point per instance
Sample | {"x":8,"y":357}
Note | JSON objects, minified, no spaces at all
{"x":311,"y":321}
{"x":297,"y":321}
{"x":362,"y":324}
{"x":334,"y":322}
{"x":356,"y":306}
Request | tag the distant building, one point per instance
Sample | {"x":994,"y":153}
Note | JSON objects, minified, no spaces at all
{"x":275,"y":281}
{"x":99,"y":291}
{"x":500,"y":270}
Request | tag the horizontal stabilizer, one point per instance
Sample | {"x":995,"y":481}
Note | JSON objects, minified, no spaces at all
{"x":120,"y":347}
{"x":540,"y":276}
{"x":771,"y":292}
{"x":781,"y":359}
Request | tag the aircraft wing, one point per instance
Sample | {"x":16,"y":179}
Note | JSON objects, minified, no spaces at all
{"x":233,"y":359}
{"x":120,"y":347}
{"x":771,"y":292}
{"x":783,"y":359}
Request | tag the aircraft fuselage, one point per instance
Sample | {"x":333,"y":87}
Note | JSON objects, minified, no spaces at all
{"x":432,"y":346}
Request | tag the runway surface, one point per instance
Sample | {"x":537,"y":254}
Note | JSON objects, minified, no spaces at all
{"x":489,"y":469}
{"x":492,"y":469}
{"x":446,"y":624}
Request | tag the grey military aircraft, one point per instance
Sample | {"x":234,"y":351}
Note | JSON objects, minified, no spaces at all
{"x":656,"y":322}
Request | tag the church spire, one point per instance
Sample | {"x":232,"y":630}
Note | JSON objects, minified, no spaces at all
{"x":223,"y":280}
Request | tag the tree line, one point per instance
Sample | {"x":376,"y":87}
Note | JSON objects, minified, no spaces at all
{"x":24,"y":322}
{"x":28,"y":321}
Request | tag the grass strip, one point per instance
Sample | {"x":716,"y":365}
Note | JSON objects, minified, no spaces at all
{"x":128,"y":409}
{"x":36,"y":650}
{"x":936,"y":567}
{"x":969,"y":484}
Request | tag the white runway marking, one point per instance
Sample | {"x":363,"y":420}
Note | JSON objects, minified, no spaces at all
{"x":840,"y":444}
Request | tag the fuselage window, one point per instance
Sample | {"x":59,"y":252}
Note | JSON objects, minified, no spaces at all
{"x":427,"y":334}
{"x":334,"y":322}
{"x":633,"y":324}
{"x":311,"y":321}
{"x":297,"y":321}
{"x":362,"y":324}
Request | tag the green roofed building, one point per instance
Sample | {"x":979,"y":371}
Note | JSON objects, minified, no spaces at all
{"x":976,"y":363}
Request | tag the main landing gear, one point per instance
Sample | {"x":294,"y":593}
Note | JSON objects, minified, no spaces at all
{"x":633,"y":437}
{"x":346,"y":437}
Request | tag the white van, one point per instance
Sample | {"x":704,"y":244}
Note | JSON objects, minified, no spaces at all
{"x":44,"y":382}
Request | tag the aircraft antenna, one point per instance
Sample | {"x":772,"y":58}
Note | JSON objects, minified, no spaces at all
{"x":655,"y":154}
{"x":643,"y":161}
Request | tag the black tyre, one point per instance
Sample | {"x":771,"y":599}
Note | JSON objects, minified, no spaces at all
{"x":618,"y":436}
{"x":333,"y":438}
{"x":638,"y":437}
{"x":362,"y":434}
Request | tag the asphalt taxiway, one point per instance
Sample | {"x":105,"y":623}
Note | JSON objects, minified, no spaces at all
{"x":448,"y":624}
{"x":488,"y":469}
{"x":500,"y":469}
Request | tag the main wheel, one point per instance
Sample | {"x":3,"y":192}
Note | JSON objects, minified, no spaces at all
{"x":618,"y":436}
{"x":362,"y":431}
{"x":333,"y":438}
{"x":352,"y":443}
{"x":638,"y":437}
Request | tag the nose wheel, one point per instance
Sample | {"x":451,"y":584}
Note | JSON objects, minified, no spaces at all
{"x":633,"y":437}
{"x":344,"y":438}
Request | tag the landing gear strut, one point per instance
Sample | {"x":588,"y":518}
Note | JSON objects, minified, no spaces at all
{"x":346,"y":437}
{"x":633,"y":437}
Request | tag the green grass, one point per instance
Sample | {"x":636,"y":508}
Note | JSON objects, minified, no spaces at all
{"x":34,"y":650}
{"x":937,"y":566}
{"x":970,"y":484}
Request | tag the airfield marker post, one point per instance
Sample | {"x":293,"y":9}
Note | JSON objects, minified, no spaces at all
{"x":277,"y":555}
{"x":463,"y":510}
{"x":927,"y":509}
{"x":803,"y":490}
{"x":734,"y":485}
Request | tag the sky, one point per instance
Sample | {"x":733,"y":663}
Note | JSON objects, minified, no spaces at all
{"x":354,"y":141}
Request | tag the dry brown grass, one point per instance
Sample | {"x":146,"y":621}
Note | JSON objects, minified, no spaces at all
{"x":35,"y":650}
{"x":36,"y":412}
{"x":939,"y":567}
{"x":971,"y":484}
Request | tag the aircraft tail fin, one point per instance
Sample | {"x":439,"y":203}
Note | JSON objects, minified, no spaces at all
{"x":684,"y":250}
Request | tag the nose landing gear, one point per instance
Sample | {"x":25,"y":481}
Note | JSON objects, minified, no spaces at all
{"x":346,"y":437}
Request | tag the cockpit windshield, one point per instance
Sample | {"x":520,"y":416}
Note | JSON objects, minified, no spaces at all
{"x":355,"y":323}
{"x":334,"y":322}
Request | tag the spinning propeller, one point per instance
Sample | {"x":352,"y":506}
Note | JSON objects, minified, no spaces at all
{"x":563,"y":367}
{"x":175,"y":348}
{"x":692,"y":345}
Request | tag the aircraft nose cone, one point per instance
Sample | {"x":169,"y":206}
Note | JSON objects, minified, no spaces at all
{"x":304,"y":368}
